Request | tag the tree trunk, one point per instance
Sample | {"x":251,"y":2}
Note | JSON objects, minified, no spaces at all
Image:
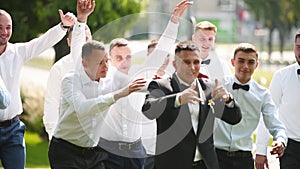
{"x":281,"y":43}
{"x":270,"y":44}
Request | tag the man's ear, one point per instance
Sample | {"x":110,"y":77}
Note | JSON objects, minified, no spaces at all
{"x":232,"y":62}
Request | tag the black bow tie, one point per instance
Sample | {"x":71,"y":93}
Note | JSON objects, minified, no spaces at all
{"x":237,"y":86}
{"x":298,"y":71}
{"x":206,"y":62}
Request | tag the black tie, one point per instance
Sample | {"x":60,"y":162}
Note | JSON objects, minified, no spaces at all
{"x":298,"y":71}
{"x":237,"y":86}
{"x":206,"y":62}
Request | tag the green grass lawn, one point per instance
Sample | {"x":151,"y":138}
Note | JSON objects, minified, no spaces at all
{"x":36,"y":151}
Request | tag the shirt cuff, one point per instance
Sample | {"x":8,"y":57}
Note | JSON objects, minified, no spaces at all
{"x":261,"y":149}
{"x":280,"y":139}
{"x":79,"y":26}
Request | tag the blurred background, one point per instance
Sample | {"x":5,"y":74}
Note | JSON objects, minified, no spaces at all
{"x":268,"y":24}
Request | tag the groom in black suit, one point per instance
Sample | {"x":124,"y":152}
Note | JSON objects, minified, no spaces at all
{"x":185,"y":119}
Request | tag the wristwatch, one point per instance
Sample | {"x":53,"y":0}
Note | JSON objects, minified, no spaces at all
{"x":62,"y":24}
{"x":230,"y":99}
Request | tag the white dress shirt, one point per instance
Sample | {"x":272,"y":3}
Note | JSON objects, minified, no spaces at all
{"x":12,"y":60}
{"x":216,"y":69}
{"x":194,"y":111}
{"x":284,"y":89}
{"x":4,"y":95}
{"x":253,"y":103}
{"x":83,"y":107}
{"x":124,"y":121}
{"x":53,"y":91}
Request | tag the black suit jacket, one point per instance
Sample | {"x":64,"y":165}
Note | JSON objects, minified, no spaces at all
{"x":176,"y":139}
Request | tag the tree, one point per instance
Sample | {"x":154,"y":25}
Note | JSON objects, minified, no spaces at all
{"x":276,"y":14}
{"x":32,"y":17}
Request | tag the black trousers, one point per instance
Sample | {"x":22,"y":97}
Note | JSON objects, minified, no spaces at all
{"x":65,"y":155}
{"x":199,"y":165}
{"x":291,"y":157}
{"x":235,"y":159}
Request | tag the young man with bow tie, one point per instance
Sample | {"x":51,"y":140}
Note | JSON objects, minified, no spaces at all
{"x":234,"y":143}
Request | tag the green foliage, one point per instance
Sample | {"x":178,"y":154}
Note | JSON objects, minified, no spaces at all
{"x":276,"y":14}
{"x":36,"y":151}
{"x":32,"y":17}
{"x":104,"y":13}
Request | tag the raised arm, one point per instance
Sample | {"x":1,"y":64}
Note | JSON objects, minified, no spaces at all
{"x":84,"y":9}
{"x":168,"y":38}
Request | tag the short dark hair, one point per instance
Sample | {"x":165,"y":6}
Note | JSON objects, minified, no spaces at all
{"x":117,"y":42}
{"x":245,"y":47}
{"x":89,"y":46}
{"x":186,"y":45}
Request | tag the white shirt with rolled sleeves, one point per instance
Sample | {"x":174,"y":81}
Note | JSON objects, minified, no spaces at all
{"x":253,"y":103}
{"x":12,"y":60}
{"x":284,"y":89}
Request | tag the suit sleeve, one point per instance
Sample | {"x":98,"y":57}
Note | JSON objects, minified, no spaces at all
{"x":157,"y":101}
{"x":231,"y":115}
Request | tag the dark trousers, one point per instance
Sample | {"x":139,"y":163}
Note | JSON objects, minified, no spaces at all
{"x":65,"y":155}
{"x":199,"y":165}
{"x":149,"y":162}
{"x":124,"y":155}
{"x":235,"y":159}
{"x":291,"y":157}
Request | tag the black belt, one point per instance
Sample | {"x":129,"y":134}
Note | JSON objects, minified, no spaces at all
{"x":121,"y":145}
{"x":75,"y":147}
{"x":7,"y":123}
{"x":239,"y":153}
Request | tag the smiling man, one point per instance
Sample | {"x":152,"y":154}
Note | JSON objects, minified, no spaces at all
{"x":234,"y":143}
{"x":184,"y":121}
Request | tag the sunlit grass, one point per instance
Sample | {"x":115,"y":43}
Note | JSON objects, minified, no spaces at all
{"x":36,"y":151}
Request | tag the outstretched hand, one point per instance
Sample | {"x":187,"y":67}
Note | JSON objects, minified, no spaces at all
{"x":179,"y":10}
{"x":189,"y":95}
{"x":67,"y":19}
{"x":220,"y":92}
{"x":135,"y":85}
{"x":277,"y":148}
{"x":84,"y":9}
